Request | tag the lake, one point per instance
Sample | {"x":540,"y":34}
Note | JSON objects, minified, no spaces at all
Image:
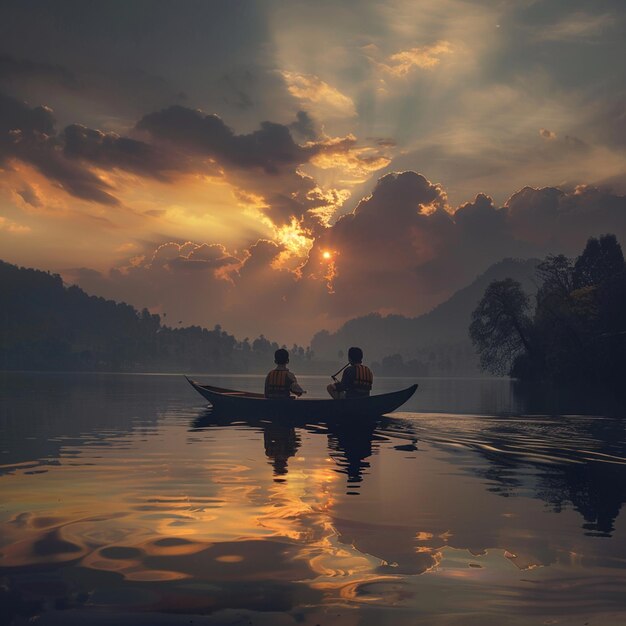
{"x":124,"y":501}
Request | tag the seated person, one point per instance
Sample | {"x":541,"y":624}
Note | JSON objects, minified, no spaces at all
{"x":280,"y":382}
{"x":357,"y":378}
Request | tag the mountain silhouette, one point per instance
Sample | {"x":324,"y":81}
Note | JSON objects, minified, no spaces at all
{"x":438,"y":336}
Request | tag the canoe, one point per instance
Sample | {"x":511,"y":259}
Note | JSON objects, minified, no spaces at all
{"x":244,"y":404}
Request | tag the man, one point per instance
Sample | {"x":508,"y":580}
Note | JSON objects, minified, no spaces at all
{"x":357,"y":378}
{"x":280,"y":382}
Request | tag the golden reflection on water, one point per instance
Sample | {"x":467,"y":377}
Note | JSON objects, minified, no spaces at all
{"x":146,"y":519}
{"x":203,"y":510}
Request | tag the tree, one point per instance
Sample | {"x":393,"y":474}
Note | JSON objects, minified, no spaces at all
{"x":500,"y":326}
{"x":556,"y":274}
{"x":601,"y":260}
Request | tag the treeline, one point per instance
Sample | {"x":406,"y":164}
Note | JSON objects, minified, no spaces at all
{"x":577,"y":328}
{"x":45,"y":325}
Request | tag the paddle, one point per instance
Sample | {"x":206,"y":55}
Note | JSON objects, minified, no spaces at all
{"x":334,"y":376}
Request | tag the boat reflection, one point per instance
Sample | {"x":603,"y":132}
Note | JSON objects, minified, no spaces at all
{"x":350,"y":443}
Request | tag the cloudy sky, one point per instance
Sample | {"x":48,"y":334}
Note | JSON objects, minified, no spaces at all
{"x":279,"y":167}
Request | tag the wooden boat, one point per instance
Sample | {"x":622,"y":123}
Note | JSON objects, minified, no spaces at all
{"x":244,"y":404}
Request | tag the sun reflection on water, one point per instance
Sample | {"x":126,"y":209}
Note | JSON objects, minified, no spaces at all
{"x":258,"y":516}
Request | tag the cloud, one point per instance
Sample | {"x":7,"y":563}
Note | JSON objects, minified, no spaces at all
{"x":403,"y":249}
{"x":355,"y":163}
{"x":191,"y":256}
{"x":269,"y":148}
{"x":552,"y":218}
{"x":17,"y":115}
{"x":265,"y":162}
{"x":312,"y":91}
{"x":304,"y":126}
{"x":424,"y":57}
{"x":109,"y":150}
{"x":263,"y":166}
{"x":378,"y":249}
{"x":27,"y":134}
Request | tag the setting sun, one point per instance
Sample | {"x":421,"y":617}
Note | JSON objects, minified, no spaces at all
{"x":326,"y":254}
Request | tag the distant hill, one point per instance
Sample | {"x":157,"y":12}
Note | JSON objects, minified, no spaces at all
{"x":45,"y":325}
{"x":437,"y":341}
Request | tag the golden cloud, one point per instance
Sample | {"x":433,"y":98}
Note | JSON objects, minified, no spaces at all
{"x":425,"y":57}
{"x":357,"y":164}
{"x":312,"y":89}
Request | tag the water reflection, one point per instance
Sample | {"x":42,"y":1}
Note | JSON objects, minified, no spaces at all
{"x":350,"y":444}
{"x":534,"y":398}
{"x":281,"y":443}
{"x":152,"y":510}
{"x":578,"y":461}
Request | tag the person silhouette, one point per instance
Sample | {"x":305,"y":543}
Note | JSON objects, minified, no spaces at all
{"x":357,"y":379}
{"x":280,"y":382}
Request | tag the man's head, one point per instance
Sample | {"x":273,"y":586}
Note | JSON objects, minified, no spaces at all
{"x":281,"y":357}
{"x":355,"y":355}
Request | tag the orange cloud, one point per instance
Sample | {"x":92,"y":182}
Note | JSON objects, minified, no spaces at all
{"x":402,"y":63}
{"x":311,"y":90}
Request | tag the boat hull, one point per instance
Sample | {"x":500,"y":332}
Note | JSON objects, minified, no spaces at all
{"x":246,"y":405}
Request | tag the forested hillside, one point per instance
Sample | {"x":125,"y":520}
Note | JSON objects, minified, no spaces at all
{"x":46,"y":325}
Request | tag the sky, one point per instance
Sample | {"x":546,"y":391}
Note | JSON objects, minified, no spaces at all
{"x":280,"y":167}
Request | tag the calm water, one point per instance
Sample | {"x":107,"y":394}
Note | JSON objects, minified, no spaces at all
{"x":122,"y":501}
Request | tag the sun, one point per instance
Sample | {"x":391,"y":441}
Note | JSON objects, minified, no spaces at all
{"x":326,"y":255}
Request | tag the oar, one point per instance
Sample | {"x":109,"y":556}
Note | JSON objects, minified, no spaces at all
{"x":334,"y":376}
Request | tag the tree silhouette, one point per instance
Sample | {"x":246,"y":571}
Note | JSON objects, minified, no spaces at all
{"x":500,"y":325}
{"x":578,"y":331}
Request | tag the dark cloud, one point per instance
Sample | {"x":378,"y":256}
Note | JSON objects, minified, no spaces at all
{"x":380,"y":248}
{"x":17,"y":115}
{"x":269,"y":149}
{"x":264,"y":163}
{"x":550,"y":217}
{"x":204,"y":257}
{"x":27,"y":134}
{"x":109,"y":150}
{"x":304,"y":126}
{"x":403,"y":250}
{"x":260,"y":256}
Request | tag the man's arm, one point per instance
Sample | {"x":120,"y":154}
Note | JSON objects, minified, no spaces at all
{"x":347,"y":380}
{"x":295,"y":387}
